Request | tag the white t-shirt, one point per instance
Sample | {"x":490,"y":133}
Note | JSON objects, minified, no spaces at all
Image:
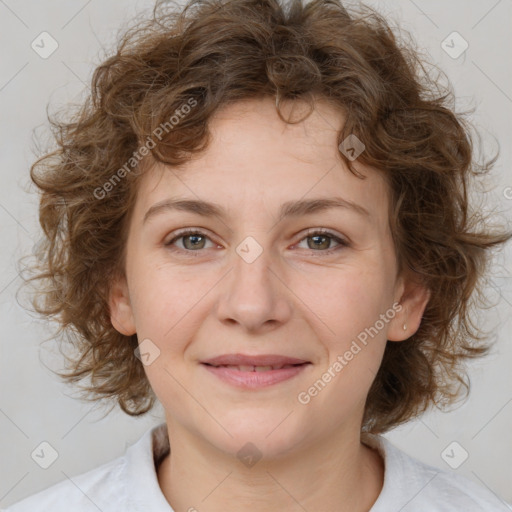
{"x":130,"y":483}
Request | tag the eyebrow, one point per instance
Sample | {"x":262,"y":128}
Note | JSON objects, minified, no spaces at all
{"x":288,"y":209}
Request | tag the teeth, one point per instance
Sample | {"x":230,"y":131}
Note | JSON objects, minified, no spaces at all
{"x":244,"y":368}
{"x":250,"y":368}
{"x":263,"y":368}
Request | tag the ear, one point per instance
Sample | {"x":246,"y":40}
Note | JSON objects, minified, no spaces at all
{"x":121,"y":313}
{"x":413,"y":296}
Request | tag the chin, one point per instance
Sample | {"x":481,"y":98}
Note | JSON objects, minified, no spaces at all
{"x":256,"y":435}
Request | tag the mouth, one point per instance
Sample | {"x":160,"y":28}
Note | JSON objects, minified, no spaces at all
{"x":252,"y":368}
{"x":253,"y":372}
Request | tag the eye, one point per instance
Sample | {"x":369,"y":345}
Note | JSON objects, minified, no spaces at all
{"x":192,"y":239}
{"x":320,"y":239}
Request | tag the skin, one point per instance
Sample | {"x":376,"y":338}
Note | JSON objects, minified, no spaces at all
{"x":294,"y":299}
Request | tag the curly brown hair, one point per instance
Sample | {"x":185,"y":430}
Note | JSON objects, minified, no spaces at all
{"x":217,"y":52}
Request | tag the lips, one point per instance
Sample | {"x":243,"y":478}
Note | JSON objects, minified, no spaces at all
{"x":263,"y":362}
{"x":251,"y":368}
{"x":255,"y":372}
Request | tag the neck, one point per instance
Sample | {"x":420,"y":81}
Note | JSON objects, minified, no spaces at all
{"x":197,"y":476}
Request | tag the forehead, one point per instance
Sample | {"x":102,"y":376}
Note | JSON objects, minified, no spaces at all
{"x":256,"y":161}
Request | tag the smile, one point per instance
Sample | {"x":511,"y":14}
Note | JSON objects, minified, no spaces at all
{"x":254,"y":377}
{"x":252,"y":368}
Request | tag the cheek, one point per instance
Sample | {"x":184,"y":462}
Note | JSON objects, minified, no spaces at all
{"x":166,"y":307}
{"x":164,"y":298}
{"x":346,"y":300}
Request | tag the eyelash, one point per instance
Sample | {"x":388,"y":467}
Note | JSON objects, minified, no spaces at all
{"x":313,"y":232}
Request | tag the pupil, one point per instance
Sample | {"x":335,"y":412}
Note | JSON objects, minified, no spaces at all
{"x":192,"y":237}
{"x":316,"y":237}
{"x":195,"y":241}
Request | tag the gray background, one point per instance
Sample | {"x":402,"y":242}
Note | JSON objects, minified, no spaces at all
{"x":36,"y":407}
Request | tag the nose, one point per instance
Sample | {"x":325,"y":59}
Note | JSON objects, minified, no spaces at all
{"x":254,"y":295}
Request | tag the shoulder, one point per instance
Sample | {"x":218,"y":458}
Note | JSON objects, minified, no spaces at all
{"x":89,"y":491}
{"x":413,"y":486}
{"x":126,"y":483}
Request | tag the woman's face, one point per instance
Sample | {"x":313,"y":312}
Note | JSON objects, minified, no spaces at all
{"x":258,"y":279}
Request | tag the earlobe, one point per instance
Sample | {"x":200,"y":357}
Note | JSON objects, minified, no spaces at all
{"x":121,"y":314}
{"x":406,"y":322}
